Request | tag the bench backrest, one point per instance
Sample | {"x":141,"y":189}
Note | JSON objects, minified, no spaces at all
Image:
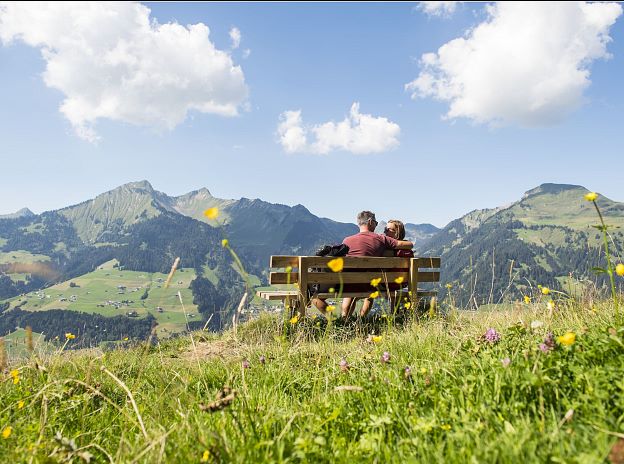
{"x":307,"y":271}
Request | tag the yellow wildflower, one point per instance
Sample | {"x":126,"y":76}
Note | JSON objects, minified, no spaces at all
{"x":336,"y":264}
{"x":20,"y":404}
{"x":399,"y":280}
{"x":15,"y":375}
{"x":550,"y":305}
{"x":619,"y":269}
{"x":567,"y":339}
{"x":6,"y":433}
{"x":288,"y":269}
{"x":545,"y":290}
{"x":224,"y":242}
{"x":125,"y":339}
{"x":69,"y":336}
{"x":294,"y":320}
{"x":205,"y":456}
{"x":330,"y":308}
{"x":591,"y":196}
{"x":449,"y":286}
{"x":375,"y":282}
{"x":212,"y":213}
{"x":376,"y":338}
{"x":527,"y":299}
{"x":445,"y":427}
{"x":407,"y":305}
{"x":374,"y":295}
{"x":423,"y":370}
{"x":332,"y":290}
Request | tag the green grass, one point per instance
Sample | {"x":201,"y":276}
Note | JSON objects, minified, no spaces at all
{"x":15,"y":344}
{"x":21,"y":256}
{"x":460,"y":404}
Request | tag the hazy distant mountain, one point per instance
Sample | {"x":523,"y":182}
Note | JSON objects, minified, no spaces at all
{"x":24,"y":212}
{"x":541,"y":239}
{"x":415,"y":233}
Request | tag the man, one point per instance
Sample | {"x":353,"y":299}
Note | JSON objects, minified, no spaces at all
{"x":365,"y":243}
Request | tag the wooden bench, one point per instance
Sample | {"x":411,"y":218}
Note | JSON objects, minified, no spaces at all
{"x":303,"y":275}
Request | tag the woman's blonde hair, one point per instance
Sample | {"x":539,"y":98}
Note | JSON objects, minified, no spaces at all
{"x":400,"y":228}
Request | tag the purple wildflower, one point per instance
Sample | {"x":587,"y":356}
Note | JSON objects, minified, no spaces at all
{"x":549,"y":343}
{"x":262,"y":359}
{"x":506,"y":362}
{"x":408,"y":372}
{"x":344,"y":365}
{"x":246,"y":364}
{"x":492,"y":336}
{"x":385,"y":357}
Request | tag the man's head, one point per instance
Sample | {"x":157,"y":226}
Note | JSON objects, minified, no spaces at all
{"x":366,"y":220}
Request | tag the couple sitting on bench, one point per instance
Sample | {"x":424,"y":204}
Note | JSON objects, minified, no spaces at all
{"x":368,"y":243}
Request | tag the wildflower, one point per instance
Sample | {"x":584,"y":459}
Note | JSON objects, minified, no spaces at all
{"x":376,"y":339}
{"x":205,"y":456}
{"x":262,"y":359}
{"x":336,"y":264}
{"x":545,"y":290}
{"x":69,"y":336}
{"x":245,"y":364}
{"x":407,"y":372}
{"x":399,"y":280}
{"x":6,"y":433}
{"x":374,"y":295}
{"x":20,"y":404}
{"x":330,"y":308}
{"x":332,"y":290}
{"x":385,"y":357}
{"x":407,"y":305}
{"x":423,"y":370}
{"x":591,"y":196}
{"x":549,"y":343}
{"x":492,"y":336}
{"x":567,"y":339}
{"x":344,"y":365}
{"x":212,"y":213}
{"x":506,"y":362}
{"x":527,"y":299}
{"x":446,"y":427}
{"x":288,"y":269}
{"x":550,"y":305}
{"x":294,"y":319}
{"x":125,"y":339}
{"x":224,"y":242}
{"x":375,"y":282}
{"x":536,"y":324}
{"x":619,"y":269}
{"x":449,"y":286}
{"x":15,"y":375}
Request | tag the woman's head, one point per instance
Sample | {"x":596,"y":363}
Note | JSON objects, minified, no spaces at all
{"x":395,"y":229}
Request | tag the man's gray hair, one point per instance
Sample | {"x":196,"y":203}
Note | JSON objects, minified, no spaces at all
{"x":364,"y":217}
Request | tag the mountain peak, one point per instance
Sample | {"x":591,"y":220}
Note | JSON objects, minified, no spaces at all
{"x":552,"y":189}
{"x":24,"y":212}
{"x":140,"y":185}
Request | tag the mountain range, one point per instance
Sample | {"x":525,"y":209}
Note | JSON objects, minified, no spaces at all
{"x":488,"y":255}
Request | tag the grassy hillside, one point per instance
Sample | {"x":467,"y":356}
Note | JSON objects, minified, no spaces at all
{"x":445,"y":394}
{"x":98,"y":291}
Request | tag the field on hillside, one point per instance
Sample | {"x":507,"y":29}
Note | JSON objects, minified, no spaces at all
{"x":111,"y":292}
{"x":525,"y":385}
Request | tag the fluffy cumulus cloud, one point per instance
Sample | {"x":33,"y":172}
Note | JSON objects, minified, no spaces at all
{"x":438,"y":8}
{"x":111,"y":60}
{"x":358,"y":133}
{"x":527,"y":64}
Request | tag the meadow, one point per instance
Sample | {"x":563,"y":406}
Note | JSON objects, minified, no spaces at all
{"x":489,"y":386}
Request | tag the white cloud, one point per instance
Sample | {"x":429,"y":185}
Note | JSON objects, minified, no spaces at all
{"x":527,"y":64}
{"x":438,"y":8}
{"x":235,"y":36}
{"x":111,"y":60}
{"x":357,"y":133}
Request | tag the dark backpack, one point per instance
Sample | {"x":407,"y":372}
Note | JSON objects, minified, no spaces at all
{"x":333,"y":250}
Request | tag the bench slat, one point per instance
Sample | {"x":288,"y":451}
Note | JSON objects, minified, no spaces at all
{"x":428,"y":276}
{"x":284,"y":261}
{"x":283,"y":278}
{"x":360,"y":262}
{"x":367,"y":294}
{"x":276,"y":278}
{"x":429,"y":262}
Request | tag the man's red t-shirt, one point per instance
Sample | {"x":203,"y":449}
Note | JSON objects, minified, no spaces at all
{"x":369,"y":244}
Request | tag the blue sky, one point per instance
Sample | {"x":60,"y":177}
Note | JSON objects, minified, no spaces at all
{"x":319,"y":59}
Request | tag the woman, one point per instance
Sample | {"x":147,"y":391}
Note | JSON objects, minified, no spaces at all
{"x":396,"y":229}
